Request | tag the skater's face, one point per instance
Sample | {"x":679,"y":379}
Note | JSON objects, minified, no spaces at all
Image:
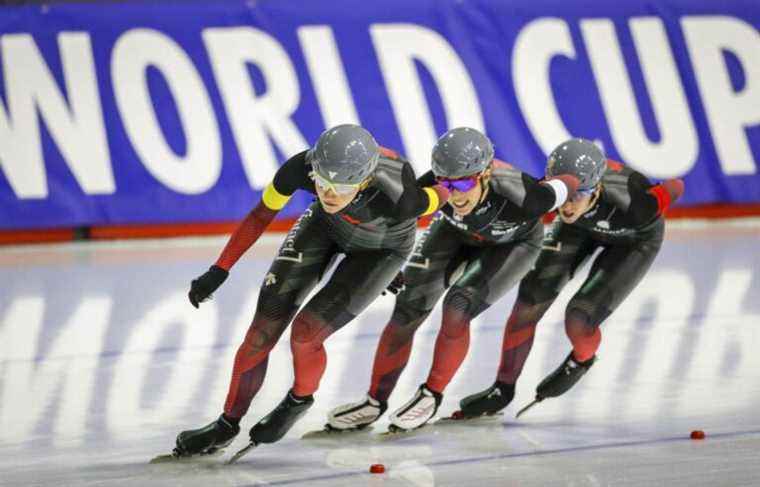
{"x":464,"y":200}
{"x":336,"y":197}
{"x":579,"y":204}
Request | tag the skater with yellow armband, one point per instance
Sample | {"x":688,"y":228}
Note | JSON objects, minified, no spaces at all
{"x":367,"y":208}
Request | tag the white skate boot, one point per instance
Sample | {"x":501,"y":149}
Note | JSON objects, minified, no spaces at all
{"x":356,"y":415}
{"x":418,"y":411}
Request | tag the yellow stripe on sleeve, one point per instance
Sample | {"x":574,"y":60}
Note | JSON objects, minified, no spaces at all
{"x":434,"y":201}
{"x":273,"y":199}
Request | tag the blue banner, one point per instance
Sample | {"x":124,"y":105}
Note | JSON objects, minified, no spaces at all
{"x":167,"y":111}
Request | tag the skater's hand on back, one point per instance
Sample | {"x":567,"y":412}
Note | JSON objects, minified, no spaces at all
{"x":202,"y":288}
{"x":397,"y":285}
{"x":674,"y":187}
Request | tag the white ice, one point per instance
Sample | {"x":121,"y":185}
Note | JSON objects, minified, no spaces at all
{"x":103,"y":361}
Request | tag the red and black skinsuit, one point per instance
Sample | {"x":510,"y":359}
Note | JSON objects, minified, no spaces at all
{"x":375,"y":232}
{"x":626,"y":223}
{"x":478,"y":258}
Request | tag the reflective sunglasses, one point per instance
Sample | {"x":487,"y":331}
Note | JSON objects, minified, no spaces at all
{"x":462,"y":185}
{"x":337,"y":188}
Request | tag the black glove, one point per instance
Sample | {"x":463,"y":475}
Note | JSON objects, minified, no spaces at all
{"x":201,"y":288}
{"x":397,"y":284}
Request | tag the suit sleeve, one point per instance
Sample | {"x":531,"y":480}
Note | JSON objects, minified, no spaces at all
{"x":540,"y":196}
{"x":648,"y":200}
{"x":291,"y":176}
{"x":427,"y":179}
{"x":418,"y":200}
{"x":536,"y":197}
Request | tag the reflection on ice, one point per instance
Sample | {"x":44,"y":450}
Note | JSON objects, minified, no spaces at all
{"x":103,"y":361}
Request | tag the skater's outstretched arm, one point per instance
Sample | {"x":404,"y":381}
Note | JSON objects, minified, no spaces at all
{"x":291,"y":176}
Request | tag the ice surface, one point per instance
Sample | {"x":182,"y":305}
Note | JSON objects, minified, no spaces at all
{"x":103,"y":361}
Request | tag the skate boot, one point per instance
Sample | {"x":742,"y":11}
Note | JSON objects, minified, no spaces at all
{"x":206,"y":440}
{"x":356,"y":415}
{"x":560,"y":381}
{"x":274,"y":425}
{"x":487,"y":402}
{"x":418,"y":411}
{"x":563,"y":378}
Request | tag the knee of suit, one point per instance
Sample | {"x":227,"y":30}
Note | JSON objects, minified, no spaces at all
{"x":578,"y":323}
{"x":465,"y":300}
{"x":459,"y":307}
{"x":308,"y":329}
{"x":259,"y":339}
{"x":579,"y":309}
{"x":273,"y":306}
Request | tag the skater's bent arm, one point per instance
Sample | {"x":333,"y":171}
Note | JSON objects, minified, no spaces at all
{"x":291,"y":176}
{"x":547,"y":195}
{"x":649,"y":201}
{"x":536,"y":197}
{"x":420,"y":199}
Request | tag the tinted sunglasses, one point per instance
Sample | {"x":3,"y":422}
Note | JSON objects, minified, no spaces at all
{"x":337,"y":188}
{"x":460,"y":184}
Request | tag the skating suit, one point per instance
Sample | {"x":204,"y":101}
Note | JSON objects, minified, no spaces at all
{"x":478,"y":258}
{"x":627,"y":225}
{"x":375,"y":232}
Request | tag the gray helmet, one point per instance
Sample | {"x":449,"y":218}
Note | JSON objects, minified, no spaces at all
{"x":580,"y":158}
{"x":461,"y":152}
{"x":344,"y":154}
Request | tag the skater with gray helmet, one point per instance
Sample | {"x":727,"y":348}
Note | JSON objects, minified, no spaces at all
{"x":476,"y":249}
{"x":615,"y":209}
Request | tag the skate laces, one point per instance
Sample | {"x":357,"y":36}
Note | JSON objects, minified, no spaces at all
{"x":356,"y":414}
{"x":359,"y":415}
{"x":417,"y":410}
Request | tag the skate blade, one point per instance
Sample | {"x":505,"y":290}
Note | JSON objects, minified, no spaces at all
{"x":396,"y":432}
{"x":168,"y":458}
{"x":526,"y":408}
{"x":174,"y":458}
{"x":329,"y":432}
{"x":237,"y":456}
{"x":456,"y":418}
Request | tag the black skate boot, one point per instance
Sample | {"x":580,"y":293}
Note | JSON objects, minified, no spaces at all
{"x":487,"y":402}
{"x":274,"y":425}
{"x":561,"y":380}
{"x":207,"y":440}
